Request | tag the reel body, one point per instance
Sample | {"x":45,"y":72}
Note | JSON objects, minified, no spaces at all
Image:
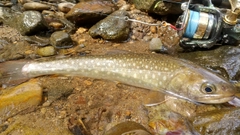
{"x":206,"y":26}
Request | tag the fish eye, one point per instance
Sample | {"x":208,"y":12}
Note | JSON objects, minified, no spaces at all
{"x":208,"y":88}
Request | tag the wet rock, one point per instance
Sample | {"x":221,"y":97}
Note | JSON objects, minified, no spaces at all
{"x":218,"y":122}
{"x":158,"y":7}
{"x":86,"y":12}
{"x":36,"y":6}
{"x":46,"y":51}
{"x":56,"y":21}
{"x":128,"y":127}
{"x":61,"y":39}
{"x":37,"y":40}
{"x":65,"y":7}
{"x":19,"y":98}
{"x":223,"y":60}
{"x":112,"y":28}
{"x":155,"y":44}
{"x":28,"y":22}
{"x":163,"y":121}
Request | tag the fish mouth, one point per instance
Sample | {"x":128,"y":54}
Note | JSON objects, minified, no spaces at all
{"x":215,"y":99}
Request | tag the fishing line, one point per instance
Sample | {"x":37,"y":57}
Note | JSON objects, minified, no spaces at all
{"x":126,"y":18}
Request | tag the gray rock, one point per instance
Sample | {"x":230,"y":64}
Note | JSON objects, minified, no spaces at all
{"x":30,"y":22}
{"x":219,"y":122}
{"x":61,"y":39}
{"x":112,"y":28}
{"x":223,"y":60}
{"x":27,"y":23}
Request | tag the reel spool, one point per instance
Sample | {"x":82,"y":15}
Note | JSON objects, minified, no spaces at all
{"x":199,"y":25}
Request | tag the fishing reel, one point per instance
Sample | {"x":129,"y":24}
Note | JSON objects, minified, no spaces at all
{"x":203,"y":25}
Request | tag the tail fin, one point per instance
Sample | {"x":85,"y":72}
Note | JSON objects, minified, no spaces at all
{"x":11,"y":72}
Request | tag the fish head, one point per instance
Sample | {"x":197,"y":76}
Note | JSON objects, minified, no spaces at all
{"x":202,"y":86}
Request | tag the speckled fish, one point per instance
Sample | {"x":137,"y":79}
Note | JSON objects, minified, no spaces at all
{"x":158,"y":72}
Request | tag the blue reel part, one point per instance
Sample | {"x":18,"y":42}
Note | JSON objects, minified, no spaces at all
{"x":192,"y":24}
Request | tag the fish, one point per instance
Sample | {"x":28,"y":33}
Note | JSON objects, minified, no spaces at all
{"x":160,"y":72}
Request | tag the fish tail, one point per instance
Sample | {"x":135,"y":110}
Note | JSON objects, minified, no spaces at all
{"x":11,"y":72}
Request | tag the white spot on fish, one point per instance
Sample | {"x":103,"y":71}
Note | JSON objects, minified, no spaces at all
{"x":146,"y":66}
{"x":153,"y":76}
{"x":164,"y":78}
{"x":135,"y":75}
{"x":98,"y":63}
{"x":160,"y":83}
{"x":96,"y":71}
{"x":166,"y":69}
{"x":146,"y":76}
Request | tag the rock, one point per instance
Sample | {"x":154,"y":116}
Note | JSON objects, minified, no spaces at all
{"x":112,"y":28}
{"x":223,"y":60}
{"x":37,"y":40}
{"x":46,"y":51}
{"x":128,"y":127}
{"x":65,"y":7}
{"x":159,"y":7}
{"x":56,"y":21}
{"x":28,"y":22}
{"x":155,"y":44}
{"x":36,"y":6}
{"x":86,"y":12}
{"x":167,"y":122}
{"x":61,"y":39}
{"x":19,"y":98}
{"x":218,"y":122}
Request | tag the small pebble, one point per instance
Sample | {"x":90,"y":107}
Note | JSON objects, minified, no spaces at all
{"x":88,"y":82}
{"x":43,"y":110}
{"x":61,"y":39}
{"x":155,"y":44}
{"x":35,"y":6}
{"x":65,"y":7}
{"x":46,"y":51}
{"x":81,"y":30}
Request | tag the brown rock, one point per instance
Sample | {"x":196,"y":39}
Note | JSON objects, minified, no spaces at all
{"x":17,"y":99}
{"x":90,"y":11}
